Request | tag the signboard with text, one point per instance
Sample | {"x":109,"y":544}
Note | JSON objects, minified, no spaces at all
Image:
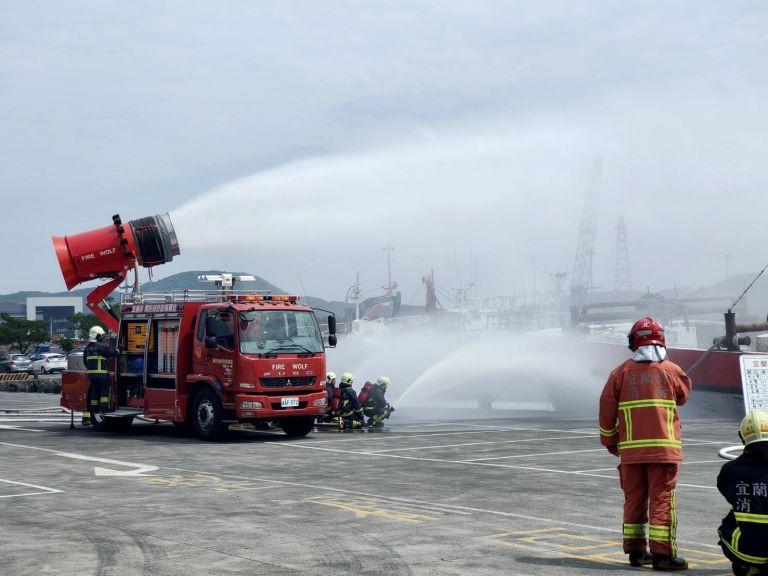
{"x":754,"y":381}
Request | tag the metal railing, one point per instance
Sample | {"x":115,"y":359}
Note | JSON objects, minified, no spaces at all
{"x":173,"y":296}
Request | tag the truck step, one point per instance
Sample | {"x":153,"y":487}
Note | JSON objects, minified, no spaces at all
{"x":120,"y":412}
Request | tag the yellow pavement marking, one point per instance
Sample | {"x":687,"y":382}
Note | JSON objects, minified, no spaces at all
{"x":561,"y":542}
{"x":365,"y":507}
{"x":205,"y":481}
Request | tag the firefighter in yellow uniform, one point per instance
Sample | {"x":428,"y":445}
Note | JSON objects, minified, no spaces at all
{"x":95,"y":358}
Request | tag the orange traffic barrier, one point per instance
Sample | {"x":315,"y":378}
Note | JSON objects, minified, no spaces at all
{"x":17,"y":376}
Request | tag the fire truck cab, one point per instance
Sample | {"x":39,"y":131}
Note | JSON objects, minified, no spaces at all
{"x":208,"y":359}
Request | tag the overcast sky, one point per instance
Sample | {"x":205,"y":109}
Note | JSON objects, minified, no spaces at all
{"x":295,"y":140}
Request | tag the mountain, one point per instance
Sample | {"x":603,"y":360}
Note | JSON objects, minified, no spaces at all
{"x":188,"y":281}
{"x":185,"y":281}
{"x":177,"y":282}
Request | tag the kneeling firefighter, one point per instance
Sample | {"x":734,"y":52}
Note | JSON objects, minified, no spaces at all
{"x":331,"y":411}
{"x":744,"y":484}
{"x":350,"y":411}
{"x":375,"y":405}
{"x":95,"y":358}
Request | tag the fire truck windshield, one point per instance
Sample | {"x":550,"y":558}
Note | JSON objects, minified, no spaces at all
{"x":283,"y":331}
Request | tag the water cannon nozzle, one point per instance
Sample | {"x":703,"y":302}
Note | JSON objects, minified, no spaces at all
{"x":111,"y":251}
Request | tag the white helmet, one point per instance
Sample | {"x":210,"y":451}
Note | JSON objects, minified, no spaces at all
{"x":347,"y":378}
{"x":330,"y":377}
{"x":383,"y":382}
{"x":96,"y":333}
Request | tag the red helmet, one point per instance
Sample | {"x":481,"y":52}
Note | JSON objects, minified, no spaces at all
{"x":644,"y":332}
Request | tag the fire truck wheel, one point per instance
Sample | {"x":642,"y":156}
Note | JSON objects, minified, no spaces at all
{"x":207,"y":414}
{"x":298,"y":426}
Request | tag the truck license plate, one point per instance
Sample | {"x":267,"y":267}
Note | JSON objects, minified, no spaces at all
{"x":292,"y":402}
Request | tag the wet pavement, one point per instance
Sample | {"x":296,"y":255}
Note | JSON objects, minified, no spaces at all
{"x":506,"y":493}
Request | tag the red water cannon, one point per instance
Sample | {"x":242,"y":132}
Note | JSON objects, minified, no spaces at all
{"x":112,"y":251}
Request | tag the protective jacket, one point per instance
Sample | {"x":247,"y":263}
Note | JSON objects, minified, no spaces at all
{"x":376,"y":407}
{"x":95,"y":357}
{"x":349,"y":406}
{"x":744,"y":484}
{"x":638,"y":411}
{"x":375,"y":403}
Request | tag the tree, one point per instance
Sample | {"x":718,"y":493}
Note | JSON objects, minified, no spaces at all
{"x":83,"y":322}
{"x":22,"y":333}
{"x":66,"y":344}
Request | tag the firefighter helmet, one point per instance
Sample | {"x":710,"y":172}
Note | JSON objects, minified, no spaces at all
{"x":330,"y":377}
{"x":383,"y":382}
{"x":754,"y":427}
{"x":644,"y":332}
{"x":96,"y":333}
{"x":347,"y":378}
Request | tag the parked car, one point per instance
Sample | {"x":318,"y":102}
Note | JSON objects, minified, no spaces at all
{"x":48,"y":362}
{"x":15,"y":363}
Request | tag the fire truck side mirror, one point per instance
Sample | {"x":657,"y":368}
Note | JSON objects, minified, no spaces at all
{"x":332,"y":325}
{"x":332,"y":340}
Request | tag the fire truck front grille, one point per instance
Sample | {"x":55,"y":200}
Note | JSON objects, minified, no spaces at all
{"x":297,"y":381}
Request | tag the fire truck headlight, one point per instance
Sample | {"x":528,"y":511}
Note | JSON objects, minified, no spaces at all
{"x":320,"y":401}
{"x":249,"y":404}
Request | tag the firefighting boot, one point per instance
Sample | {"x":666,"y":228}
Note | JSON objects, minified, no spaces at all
{"x":638,"y":559}
{"x":666,"y":563}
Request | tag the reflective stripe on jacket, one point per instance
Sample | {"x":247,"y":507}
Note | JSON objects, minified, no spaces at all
{"x":349,"y":404}
{"x":744,"y":484}
{"x":638,"y":411}
{"x":95,"y":357}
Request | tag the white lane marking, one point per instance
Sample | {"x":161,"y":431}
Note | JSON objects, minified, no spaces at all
{"x":513,"y":429}
{"x":480,"y":443}
{"x":452,"y":507}
{"x":394,"y":435}
{"x":444,"y":461}
{"x":534,"y":455}
{"x":42,"y":489}
{"x":6,"y":427}
{"x":399,"y":436}
{"x":687,"y":442}
{"x":138,"y":469}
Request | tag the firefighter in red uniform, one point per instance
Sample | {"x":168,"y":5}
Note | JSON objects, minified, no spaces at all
{"x":639,"y":423}
{"x":744,"y":483}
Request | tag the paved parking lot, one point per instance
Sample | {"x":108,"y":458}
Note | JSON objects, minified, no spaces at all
{"x":516,"y":493}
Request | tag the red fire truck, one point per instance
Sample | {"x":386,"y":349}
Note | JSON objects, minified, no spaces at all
{"x":204,"y":359}
{"x":208,"y":359}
